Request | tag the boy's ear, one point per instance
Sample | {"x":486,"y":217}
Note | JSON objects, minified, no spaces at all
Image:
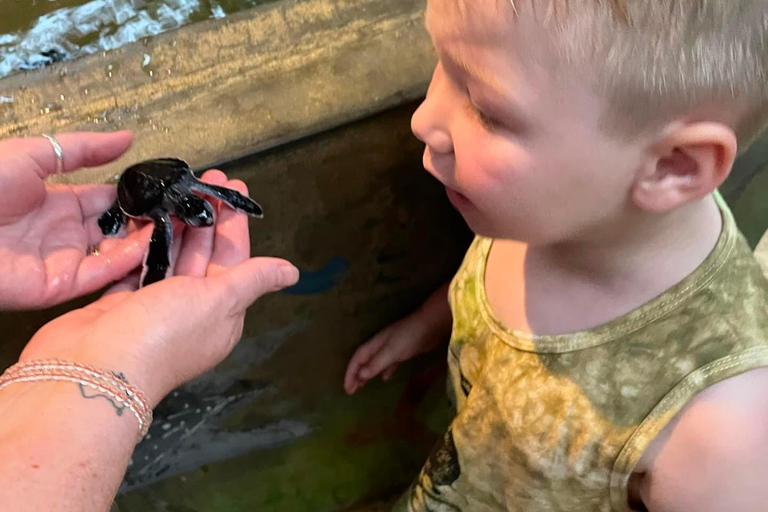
{"x":687,"y":162}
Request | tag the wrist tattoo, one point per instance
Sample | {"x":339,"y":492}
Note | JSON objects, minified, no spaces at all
{"x":90,"y":394}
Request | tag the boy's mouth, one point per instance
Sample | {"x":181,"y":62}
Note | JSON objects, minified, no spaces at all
{"x":457,"y":199}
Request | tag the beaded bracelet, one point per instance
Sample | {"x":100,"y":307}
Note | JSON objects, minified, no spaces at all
{"x":109,"y":383}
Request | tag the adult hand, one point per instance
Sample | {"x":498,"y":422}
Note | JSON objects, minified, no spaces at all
{"x":46,"y":229}
{"x":172,"y":331}
{"x":60,"y":451}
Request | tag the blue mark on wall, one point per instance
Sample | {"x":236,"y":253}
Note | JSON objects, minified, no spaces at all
{"x":322,"y":280}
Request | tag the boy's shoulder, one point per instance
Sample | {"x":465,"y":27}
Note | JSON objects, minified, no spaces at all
{"x":714,"y":454}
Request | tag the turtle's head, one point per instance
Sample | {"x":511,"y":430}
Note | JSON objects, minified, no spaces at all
{"x":194,"y":210}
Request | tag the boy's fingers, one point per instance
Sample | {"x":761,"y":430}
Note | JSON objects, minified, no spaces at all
{"x":350,"y":382}
{"x":358,"y":381}
{"x":389,"y":371}
{"x":351,"y":379}
{"x":362,"y":356}
{"x":382,"y":360}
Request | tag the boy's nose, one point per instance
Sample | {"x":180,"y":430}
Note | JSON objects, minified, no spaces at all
{"x":427,"y":129}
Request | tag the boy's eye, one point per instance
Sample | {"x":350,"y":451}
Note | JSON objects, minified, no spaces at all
{"x":486,"y":121}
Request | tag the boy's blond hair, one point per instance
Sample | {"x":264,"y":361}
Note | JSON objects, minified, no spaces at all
{"x":658,"y":59}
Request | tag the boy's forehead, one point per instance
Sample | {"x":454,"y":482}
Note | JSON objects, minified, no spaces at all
{"x":454,"y":17}
{"x":506,"y":48}
{"x":486,"y":32}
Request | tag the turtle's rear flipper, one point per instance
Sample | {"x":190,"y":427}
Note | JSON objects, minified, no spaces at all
{"x":233,"y":198}
{"x":112,"y":220}
{"x":157,"y":263}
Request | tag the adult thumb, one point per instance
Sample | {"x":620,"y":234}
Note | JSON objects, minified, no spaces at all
{"x":255,"y":277}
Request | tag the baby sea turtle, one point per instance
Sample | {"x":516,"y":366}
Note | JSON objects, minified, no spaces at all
{"x":156,"y":189}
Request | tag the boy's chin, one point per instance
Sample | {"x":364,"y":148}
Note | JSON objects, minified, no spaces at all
{"x":479,"y":223}
{"x":481,"y":227}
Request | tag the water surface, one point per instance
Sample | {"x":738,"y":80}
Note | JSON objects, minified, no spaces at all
{"x":34,"y":33}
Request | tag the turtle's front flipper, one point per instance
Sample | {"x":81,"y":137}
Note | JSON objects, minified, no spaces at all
{"x":158,"y":261}
{"x":191,"y":209}
{"x":233,"y":198}
{"x":112,"y":220}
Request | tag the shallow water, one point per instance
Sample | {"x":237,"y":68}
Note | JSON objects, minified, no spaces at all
{"x":34,"y":33}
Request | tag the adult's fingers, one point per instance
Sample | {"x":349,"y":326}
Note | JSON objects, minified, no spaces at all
{"x":197,"y":246}
{"x":242,"y":284}
{"x":94,"y":199}
{"x":123,"y":256}
{"x":232,"y":243}
{"x":80,"y":149}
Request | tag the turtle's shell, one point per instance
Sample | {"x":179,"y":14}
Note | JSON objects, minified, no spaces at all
{"x":139,"y":193}
{"x":141,"y":189}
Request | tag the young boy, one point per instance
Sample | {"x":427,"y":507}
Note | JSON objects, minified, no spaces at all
{"x":610,"y":336}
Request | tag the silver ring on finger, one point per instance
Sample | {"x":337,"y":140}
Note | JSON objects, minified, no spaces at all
{"x":57,"y":151}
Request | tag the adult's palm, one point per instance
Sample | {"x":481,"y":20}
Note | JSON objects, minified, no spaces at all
{"x":47,"y":229}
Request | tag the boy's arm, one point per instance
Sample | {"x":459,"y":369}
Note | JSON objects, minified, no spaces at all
{"x":714,"y":456}
{"x":436,"y":312}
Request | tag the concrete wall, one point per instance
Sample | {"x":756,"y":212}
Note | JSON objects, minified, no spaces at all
{"x":225,"y":88}
{"x":747,"y":190}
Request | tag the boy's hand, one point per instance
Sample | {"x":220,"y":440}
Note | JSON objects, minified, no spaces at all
{"x":399,"y":342}
{"x":419,"y":332}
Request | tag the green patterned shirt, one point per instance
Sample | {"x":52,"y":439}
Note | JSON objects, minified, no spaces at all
{"x":557,"y":423}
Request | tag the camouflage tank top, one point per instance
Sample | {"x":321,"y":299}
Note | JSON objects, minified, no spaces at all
{"x":557,"y":423}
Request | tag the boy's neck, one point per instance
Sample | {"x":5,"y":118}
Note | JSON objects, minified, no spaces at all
{"x":645,"y":258}
{"x":579,"y":285}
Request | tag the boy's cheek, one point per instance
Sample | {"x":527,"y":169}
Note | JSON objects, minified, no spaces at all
{"x":480,"y":173}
